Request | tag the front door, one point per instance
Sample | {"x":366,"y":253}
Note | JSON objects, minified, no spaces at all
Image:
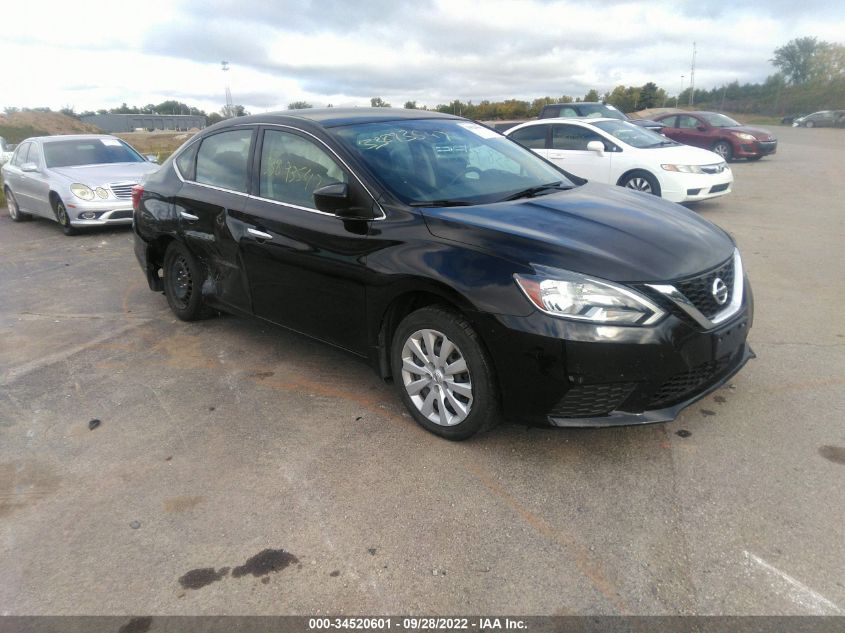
{"x":305,"y":267}
{"x":569,"y":151}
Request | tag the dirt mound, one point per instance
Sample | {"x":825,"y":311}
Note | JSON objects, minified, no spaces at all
{"x":34,"y":123}
{"x":652,"y":112}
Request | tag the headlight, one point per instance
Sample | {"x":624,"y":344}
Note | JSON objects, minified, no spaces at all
{"x":101,"y":192}
{"x":686,"y":169}
{"x":574,"y":296}
{"x":81,"y":191}
{"x":745,"y":137}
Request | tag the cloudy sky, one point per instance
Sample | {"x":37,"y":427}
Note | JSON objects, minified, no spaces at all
{"x":92,"y":55}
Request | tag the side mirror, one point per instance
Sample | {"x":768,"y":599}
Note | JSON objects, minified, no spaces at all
{"x":29,"y":167}
{"x":596,"y":146}
{"x":152,"y":158}
{"x":701,"y":128}
{"x":333,"y":198}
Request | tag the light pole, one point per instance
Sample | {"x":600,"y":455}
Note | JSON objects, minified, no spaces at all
{"x":229,"y":107}
{"x":678,"y":100}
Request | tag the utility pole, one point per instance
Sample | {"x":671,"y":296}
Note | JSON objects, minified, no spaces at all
{"x":692,"y":77}
{"x":230,"y":109}
{"x":680,"y":92}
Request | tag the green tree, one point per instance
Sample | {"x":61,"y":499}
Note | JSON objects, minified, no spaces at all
{"x":410,"y":105}
{"x":378,"y":102}
{"x":213,"y":118}
{"x":797,"y":59}
{"x":592,"y":95}
{"x":648,"y":96}
{"x":299,"y":105}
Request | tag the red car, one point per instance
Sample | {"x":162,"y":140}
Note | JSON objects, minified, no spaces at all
{"x":718,"y":133}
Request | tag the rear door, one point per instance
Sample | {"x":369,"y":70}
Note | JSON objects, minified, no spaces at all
{"x":216,"y":175}
{"x":569,"y":151}
{"x":306,"y":268}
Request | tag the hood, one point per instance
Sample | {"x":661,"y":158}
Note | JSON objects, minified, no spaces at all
{"x":757,"y":132}
{"x":602,"y":230}
{"x":96,"y":175}
{"x":647,"y":123}
{"x":685,"y":155}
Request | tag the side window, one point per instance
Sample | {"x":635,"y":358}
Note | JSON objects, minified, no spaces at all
{"x":573,"y":137}
{"x":671,"y":121}
{"x":222,"y":160}
{"x":21,"y":154}
{"x":686,"y":122}
{"x":532,"y":137}
{"x":568,"y":111}
{"x":292,"y":167}
{"x":34,"y":155}
{"x":187,"y":162}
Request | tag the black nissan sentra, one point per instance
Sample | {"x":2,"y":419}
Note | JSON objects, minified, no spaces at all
{"x":482,"y":280}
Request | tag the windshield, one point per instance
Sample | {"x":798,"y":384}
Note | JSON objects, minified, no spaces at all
{"x":718,"y":120}
{"x":89,"y":151}
{"x":634,"y":135}
{"x":599,"y":110}
{"x":447,"y":161}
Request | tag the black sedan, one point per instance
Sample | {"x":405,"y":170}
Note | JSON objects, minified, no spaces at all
{"x":482,"y":280}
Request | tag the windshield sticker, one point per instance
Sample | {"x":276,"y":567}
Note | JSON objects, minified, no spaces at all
{"x":479,"y":130}
{"x":111,"y":142}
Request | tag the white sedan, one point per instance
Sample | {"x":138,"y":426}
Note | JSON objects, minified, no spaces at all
{"x":617,"y":152}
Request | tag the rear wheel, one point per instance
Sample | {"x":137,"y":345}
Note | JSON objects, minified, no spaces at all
{"x":641,"y":181}
{"x":809,"y":124}
{"x":723,"y":149}
{"x":14,"y":210}
{"x":183,"y":279}
{"x":62,"y":217}
{"x":443,"y":374}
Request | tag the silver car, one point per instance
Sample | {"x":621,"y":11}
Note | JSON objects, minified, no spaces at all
{"x":76,"y":180}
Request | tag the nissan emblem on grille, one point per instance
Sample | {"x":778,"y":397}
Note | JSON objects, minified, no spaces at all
{"x":720,"y":291}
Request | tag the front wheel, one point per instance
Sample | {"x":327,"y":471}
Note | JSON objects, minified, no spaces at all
{"x":443,"y":374}
{"x":183,"y":279}
{"x":62,"y":217}
{"x":641,"y":181}
{"x":809,"y":124}
{"x":14,"y":210}
{"x":723,"y":149}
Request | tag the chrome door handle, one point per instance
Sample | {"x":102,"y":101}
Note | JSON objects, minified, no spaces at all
{"x":259,"y":234}
{"x":188,"y":216}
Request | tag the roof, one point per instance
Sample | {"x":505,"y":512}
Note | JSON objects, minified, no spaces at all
{"x":334,"y":117}
{"x":68,"y":137}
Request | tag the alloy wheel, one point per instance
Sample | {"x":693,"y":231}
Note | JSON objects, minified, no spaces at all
{"x":722,"y":150}
{"x":639,"y":183}
{"x":436,"y":377}
{"x":13,"y":205}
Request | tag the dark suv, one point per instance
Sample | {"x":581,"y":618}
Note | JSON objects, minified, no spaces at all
{"x":593,"y":110}
{"x":480,"y":278}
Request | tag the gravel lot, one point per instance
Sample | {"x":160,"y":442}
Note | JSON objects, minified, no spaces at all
{"x":226,"y":438}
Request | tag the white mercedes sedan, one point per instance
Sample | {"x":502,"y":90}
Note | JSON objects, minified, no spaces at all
{"x":619,"y":153}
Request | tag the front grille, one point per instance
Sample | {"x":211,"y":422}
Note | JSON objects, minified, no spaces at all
{"x":718,"y":188}
{"x":699,"y":290}
{"x":687,"y":383}
{"x":122,"y":190}
{"x":718,"y":168}
{"x":592,"y":400}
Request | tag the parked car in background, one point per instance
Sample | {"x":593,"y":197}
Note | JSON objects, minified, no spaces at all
{"x":77,"y":180}
{"x":789,"y":119}
{"x":719,"y":133}
{"x":824,"y":118}
{"x":475,"y":274}
{"x":618,"y":153}
{"x":591,"y":110}
{"x":6,"y":151}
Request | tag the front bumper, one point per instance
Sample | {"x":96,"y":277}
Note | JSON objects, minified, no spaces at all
{"x":752,"y":149}
{"x":680,"y":187}
{"x":565,"y":373}
{"x":108,"y":212}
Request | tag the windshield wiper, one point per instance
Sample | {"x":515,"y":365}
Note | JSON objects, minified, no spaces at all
{"x":441,"y":203}
{"x":534,"y":191}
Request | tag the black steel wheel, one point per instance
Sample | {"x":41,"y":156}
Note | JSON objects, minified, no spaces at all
{"x":183,"y":279}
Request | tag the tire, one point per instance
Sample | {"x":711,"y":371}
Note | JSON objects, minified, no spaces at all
{"x":454,"y":405}
{"x":62,"y":217}
{"x":641,"y":181}
{"x":14,"y":210}
{"x":809,"y":124}
{"x":724,"y":149}
{"x":183,"y":279}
